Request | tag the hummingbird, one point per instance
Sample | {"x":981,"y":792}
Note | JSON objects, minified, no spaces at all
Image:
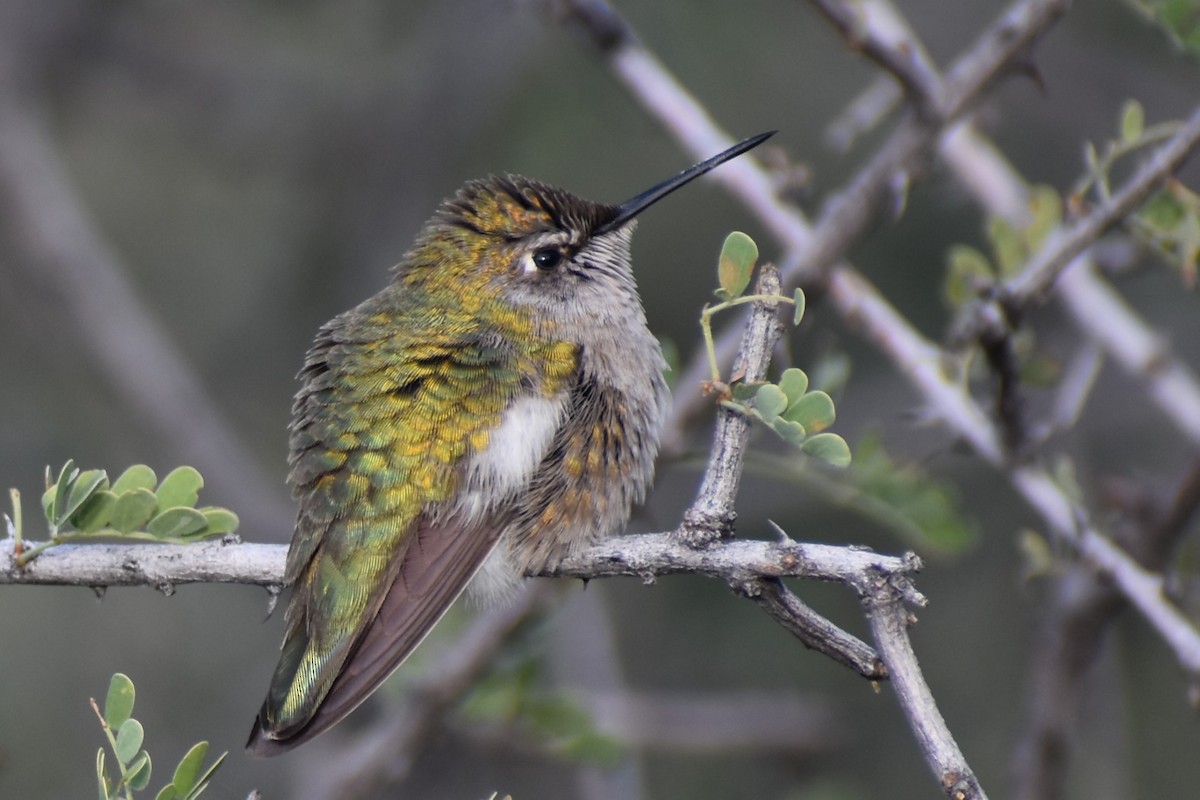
{"x":494,"y":409}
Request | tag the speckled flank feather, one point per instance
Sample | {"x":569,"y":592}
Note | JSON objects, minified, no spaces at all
{"x":405,"y":404}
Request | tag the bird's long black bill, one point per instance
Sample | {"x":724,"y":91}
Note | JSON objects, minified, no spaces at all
{"x":634,"y":206}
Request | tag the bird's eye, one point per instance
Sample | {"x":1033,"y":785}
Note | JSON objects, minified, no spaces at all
{"x":547,"y":258}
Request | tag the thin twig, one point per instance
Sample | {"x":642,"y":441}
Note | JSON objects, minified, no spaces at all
{"x":812,"y":629}
{"x":847,"y":215}
{"x":712,"y":514}
{"x":889,"y":621}
{"x":1063,"y":246}
{"x":867,"y":27}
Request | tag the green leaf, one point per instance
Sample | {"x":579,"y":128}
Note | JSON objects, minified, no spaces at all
{"x":738,"y":255}
{"x":791,"y":432}
{"x":1163,"y":211}
{"x":129,"y":740}
{"x":181,"y":487}
{"x":95,"y":513}
{"x":829,"y":447}
{"x":62,"y":489}
{"x":219,"y":520}
{"x":814,"y":411}
{"x":746,"y":391}
{"x":770,"y":401}
{"x":1038,"y":554}
{"x":133,"y":510}
{"x":168,"y":792}
{"x":794,"y":383}
{"x":187,"y":774}
{"x":968,"y":271}
{"x":139,"y":772}
{"x":798,"y":314}
{"x":82,"y":489}
{"x":139,"y":476}
{"x":1133,"y":122}
{"x":175,"y":523}
{"x":1041,"y":370}
{"x":101,"y":777}
{"x":1007,"y":245}
{"x":202,"y":783}
{"x":1046,"y":206}
{"x":118,"y":703}
{"x":907,"y":500}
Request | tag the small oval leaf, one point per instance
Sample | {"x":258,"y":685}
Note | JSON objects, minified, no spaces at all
{"x":95,"y":513}
{"x":188,"y":771}
{"x":101,"y":778}
{"x":829,"y":447}
{"x":139,"y":476}
{"x":118,"y":703}
{"x":770,"y":401}
{"x":1133,"y":121}
{"x":794,"y":383}
{"x":129,"y":740}
{"x":139,"y":772}
{"x":202,"y":782}
{"x":814,"y":411}
{"x":738,"y":256}
{"x":62,"y":488}
{"x":1046,"y":207}
{"x":88,"y":483}
{"x":181,"y":487}
{"x":746,"y":391}
{"x":219,"y":520}
{"x":133,"y":509}
{"x":968,"y":271}
{"x":1007,"y":245}
{"x":791,"y":432}
{"x":175,"y":523}
{"x":798,"y":315}
{"x":48,"y":501}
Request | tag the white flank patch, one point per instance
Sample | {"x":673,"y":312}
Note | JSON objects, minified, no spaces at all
{"x":515,"y":448}
{"x":497,"y":579}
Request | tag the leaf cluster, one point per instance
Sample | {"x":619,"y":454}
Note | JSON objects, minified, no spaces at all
{"x":796,"y":414}
{"x":125,"y":737}
{"x":970,"y":272}
{"x":1169,"y":222}
{"x":907,"y":499}
{"x":81,"y":504}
